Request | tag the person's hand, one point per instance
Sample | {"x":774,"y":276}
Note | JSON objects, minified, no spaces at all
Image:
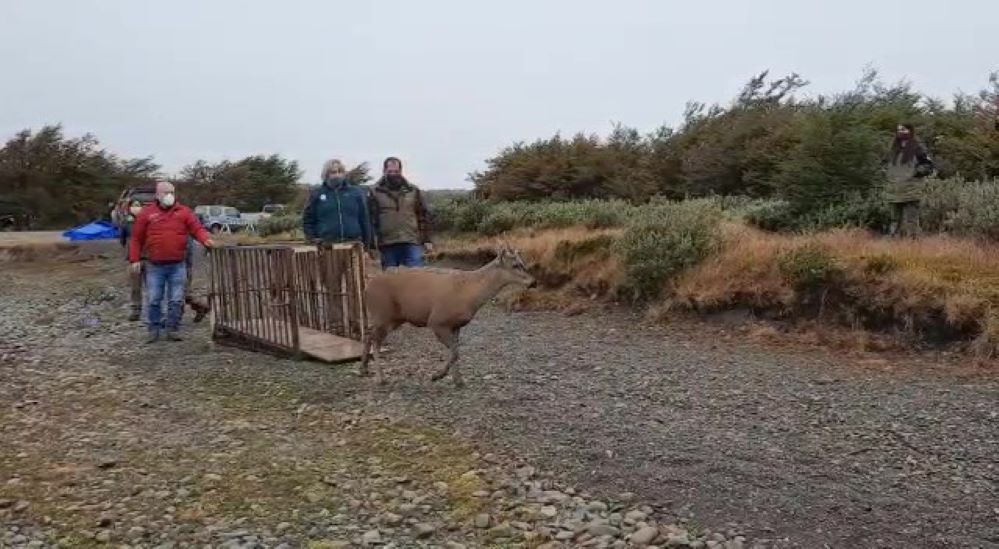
{"x":211,"y":243}
{"x":429,"y":247}
{"x":135,"y":268}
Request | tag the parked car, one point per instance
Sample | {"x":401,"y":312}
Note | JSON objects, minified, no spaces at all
{"x":273,"y":209}
{"x":216,"y":217}
{"x":265,"y":212}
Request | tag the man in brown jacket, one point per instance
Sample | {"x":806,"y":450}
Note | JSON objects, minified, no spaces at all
{"x":400,"y":217}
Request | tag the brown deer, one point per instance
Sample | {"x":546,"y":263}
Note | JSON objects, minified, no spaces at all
{"x":445,"y":300}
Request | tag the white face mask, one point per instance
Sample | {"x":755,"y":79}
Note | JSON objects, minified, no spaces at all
{"x":167,"y":200}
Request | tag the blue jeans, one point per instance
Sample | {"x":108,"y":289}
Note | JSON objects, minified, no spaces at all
{"x":169,"y":279}
{"x":404,"y":255}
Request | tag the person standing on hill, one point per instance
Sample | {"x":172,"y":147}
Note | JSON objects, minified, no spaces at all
{"x":907,"y":163}
{"x":162,"y":230}
{"x":401,"y":218}
{"x":337,"y":210}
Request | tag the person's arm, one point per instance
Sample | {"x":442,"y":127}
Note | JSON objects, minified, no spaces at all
{"x":364,"y":218}
{"x":138,"y":238}
{"x":195,"y":229}
{"x":123,"y":231}
{"x":374,"y":218}
{"x":423,"y":219}
{"x":924,"y":164}
{"x":309,"y":217}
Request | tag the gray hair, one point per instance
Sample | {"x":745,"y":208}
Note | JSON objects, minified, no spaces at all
{"x":329,"y":166}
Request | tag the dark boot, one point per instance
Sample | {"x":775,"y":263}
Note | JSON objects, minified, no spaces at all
{"x":200,"y":309}
{"x":173,"y":335}
{"x":135,"y":315}
{"x":154,"y":336}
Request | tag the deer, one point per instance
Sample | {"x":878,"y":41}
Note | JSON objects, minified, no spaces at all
{"x":445,"y":300}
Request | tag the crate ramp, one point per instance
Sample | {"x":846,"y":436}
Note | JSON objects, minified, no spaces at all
{"x":291,"y":300}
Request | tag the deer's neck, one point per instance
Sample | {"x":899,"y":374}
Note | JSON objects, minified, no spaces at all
{"x":487,"y":283}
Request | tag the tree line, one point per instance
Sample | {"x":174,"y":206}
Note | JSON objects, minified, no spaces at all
{"x":769,"y":142}
{"x":61,"y":181}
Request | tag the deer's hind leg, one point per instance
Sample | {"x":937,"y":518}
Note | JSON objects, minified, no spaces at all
{"x":449,"y":337}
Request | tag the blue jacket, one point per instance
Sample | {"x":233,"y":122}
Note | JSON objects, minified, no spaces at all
{"x":337,"y":213}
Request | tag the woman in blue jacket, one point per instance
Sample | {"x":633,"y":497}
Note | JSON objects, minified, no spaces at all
{"x":337,"y":211}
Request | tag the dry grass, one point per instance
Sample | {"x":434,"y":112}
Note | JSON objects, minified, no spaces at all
{"x":937,"y":289}
{"x":32,"y":251}
{"x":30,"y":237}
{"x":576,"y":260}
{"x":914,"y":284}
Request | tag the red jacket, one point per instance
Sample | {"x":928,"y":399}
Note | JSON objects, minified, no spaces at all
{"x":163,"y":233}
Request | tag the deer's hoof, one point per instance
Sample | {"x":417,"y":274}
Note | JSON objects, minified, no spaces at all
{"x":438,"y":376}
{"x":380,"y":380}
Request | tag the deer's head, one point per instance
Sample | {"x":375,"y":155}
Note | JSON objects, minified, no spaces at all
{"x":509,"y":262}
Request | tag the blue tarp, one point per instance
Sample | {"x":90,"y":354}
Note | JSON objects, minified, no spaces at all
{"x":98,"y":230}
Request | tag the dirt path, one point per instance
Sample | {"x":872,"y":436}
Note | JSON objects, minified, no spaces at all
{"x":789,"y":448}
{"x":799,"y":445}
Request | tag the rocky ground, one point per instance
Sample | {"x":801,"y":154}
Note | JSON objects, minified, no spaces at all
{"x":595,"y":430}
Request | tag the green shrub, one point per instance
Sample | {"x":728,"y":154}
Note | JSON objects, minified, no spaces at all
{"x":962,"y":208}
{"x":870,"y":212}
{"x":498,"y":220}
{"x":665,"y":239}
{"x":468,"y":214}
{"x":808,"y":266}
{"x":775,"y":215}
{"x":278,"y":224}
{"x":954,"y":206}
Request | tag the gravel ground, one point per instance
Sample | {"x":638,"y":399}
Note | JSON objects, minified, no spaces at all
{"x":580,"y":431}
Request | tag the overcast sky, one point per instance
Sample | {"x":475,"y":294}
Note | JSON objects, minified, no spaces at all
{"x":442,"y":83}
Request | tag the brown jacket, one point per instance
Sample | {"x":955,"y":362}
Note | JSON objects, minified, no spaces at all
{"x":399,"y":214}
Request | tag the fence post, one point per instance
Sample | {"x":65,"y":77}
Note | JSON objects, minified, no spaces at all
{"x":289,"y":266}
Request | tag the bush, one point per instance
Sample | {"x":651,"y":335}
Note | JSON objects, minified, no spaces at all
{"x":809,"y":266}
{"x":593,"y":214}
{"x":499,"y":220}
{"x":775,"y":215}
{"x":962,"y":208}
{"x":278,"y":224}
{"x":858,"y":211}
{"x":665,"y":239}
{"x":468,"y":215}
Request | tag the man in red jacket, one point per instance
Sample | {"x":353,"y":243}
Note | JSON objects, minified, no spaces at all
{"x":162,"y":230}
